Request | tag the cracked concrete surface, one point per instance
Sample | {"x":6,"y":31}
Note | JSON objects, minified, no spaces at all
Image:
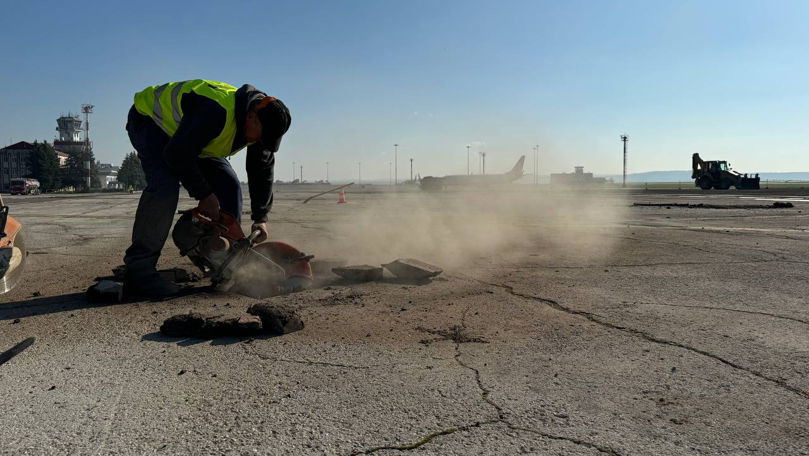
{"x":680,"y":340}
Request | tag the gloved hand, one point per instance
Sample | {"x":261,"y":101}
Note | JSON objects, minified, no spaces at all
{"x":209,"y":207}
{"x":260,"y":226}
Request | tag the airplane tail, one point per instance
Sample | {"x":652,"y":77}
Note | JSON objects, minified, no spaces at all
{"x":516,"y":171}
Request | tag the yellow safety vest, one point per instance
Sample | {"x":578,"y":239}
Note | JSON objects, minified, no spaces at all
{"x":163,"y":105}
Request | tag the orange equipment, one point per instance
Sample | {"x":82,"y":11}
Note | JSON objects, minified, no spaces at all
{"x":12,"y":250}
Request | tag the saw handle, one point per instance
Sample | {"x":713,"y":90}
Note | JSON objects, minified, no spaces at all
{"x":253,"y":236}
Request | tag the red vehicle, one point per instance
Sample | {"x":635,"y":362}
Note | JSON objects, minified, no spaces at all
{"x":24,"y":186}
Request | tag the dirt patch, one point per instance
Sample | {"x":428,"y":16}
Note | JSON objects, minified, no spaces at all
{"x":342,"y":299}
{"x":455,"y":333}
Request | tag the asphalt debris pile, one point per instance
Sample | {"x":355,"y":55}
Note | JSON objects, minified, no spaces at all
{"x":261,"y":319}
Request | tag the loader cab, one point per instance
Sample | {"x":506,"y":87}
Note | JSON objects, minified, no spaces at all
{"x":716,"y":167}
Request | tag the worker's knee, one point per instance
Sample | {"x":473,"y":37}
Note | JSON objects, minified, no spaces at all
{"x":225,"y":184}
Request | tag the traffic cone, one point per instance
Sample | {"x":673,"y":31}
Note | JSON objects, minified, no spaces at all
{"x":342,"y":198}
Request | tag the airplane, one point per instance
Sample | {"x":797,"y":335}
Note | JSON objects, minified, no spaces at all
{"x":431,"y":183}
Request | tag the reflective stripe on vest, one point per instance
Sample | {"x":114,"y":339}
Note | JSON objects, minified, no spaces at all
{"x":164,"y":105}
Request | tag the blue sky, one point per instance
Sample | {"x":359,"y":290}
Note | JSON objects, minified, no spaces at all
{"x":727,"y":79}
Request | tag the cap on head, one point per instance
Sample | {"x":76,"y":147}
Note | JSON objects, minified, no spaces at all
{"x":275,"y":120}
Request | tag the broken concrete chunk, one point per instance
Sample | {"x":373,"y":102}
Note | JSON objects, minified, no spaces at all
{"x":361,"y":273}
{"x":105,"y":291}
{"x":410,"y":268}
{"x":325,"y":265}
{"x":276,"y":319}
{"x":211,"y":326}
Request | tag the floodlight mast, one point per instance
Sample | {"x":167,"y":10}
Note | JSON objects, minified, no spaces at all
{"x":624,"y":139}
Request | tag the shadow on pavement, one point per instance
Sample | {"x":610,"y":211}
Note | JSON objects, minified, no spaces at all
{"x":75,"y":301}
{"x":157,"y":336}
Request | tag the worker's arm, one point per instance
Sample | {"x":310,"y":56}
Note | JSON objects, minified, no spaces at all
{"x":203,"y":120}
{"x":260,"y":164}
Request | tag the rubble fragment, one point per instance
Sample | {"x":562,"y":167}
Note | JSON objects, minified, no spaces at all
{"x":211,"y":326}
{"x":276,"y":319}
{"x":262,"y":319}
{"x":360,"y":273}
{"x":410,"y":268}
{"x":105,"y":291}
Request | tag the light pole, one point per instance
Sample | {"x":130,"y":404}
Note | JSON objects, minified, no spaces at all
{"x":293,"y":173}
{"x":624,"y":138}
{"x":396,"y":164}
{"x":301,"y":174}
{"x":467,"y":159}
{"x":483,"y":157}
{"x":411,"y":170}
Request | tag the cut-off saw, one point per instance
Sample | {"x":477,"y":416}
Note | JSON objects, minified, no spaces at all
{"x":234,"y":262}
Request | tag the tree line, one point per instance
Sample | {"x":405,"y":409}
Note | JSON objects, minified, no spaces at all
{"x":44,"y":166}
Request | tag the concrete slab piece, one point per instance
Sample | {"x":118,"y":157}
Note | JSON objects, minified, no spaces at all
{"x":105,"y":291}
{"x":410,"y":268}
{"x":360,"y":273}
{"x":321,"y":266}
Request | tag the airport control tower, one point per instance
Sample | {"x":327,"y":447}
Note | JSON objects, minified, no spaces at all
{"x":70,"y":134}
{"x":69,"y":128}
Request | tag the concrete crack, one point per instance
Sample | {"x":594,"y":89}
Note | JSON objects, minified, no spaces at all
{"x":501,"y":417}
{"x":250,"y":349}
{"x":602,"y":449}
{"x":752,"y":312}
{"x":649,"y":337}
{"x":425,"y":440}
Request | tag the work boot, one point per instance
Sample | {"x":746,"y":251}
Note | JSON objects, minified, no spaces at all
{"x":150,"y":285}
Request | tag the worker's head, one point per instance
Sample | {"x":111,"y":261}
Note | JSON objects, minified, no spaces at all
{"x":267,"y":122}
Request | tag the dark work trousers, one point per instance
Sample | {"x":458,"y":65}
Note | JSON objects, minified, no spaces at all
{"x":158,"y":202}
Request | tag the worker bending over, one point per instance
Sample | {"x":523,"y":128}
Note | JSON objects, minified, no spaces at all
{"x":182,"y":132}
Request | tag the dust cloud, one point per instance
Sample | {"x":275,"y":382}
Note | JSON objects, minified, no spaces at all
{"x":452,"y":228}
